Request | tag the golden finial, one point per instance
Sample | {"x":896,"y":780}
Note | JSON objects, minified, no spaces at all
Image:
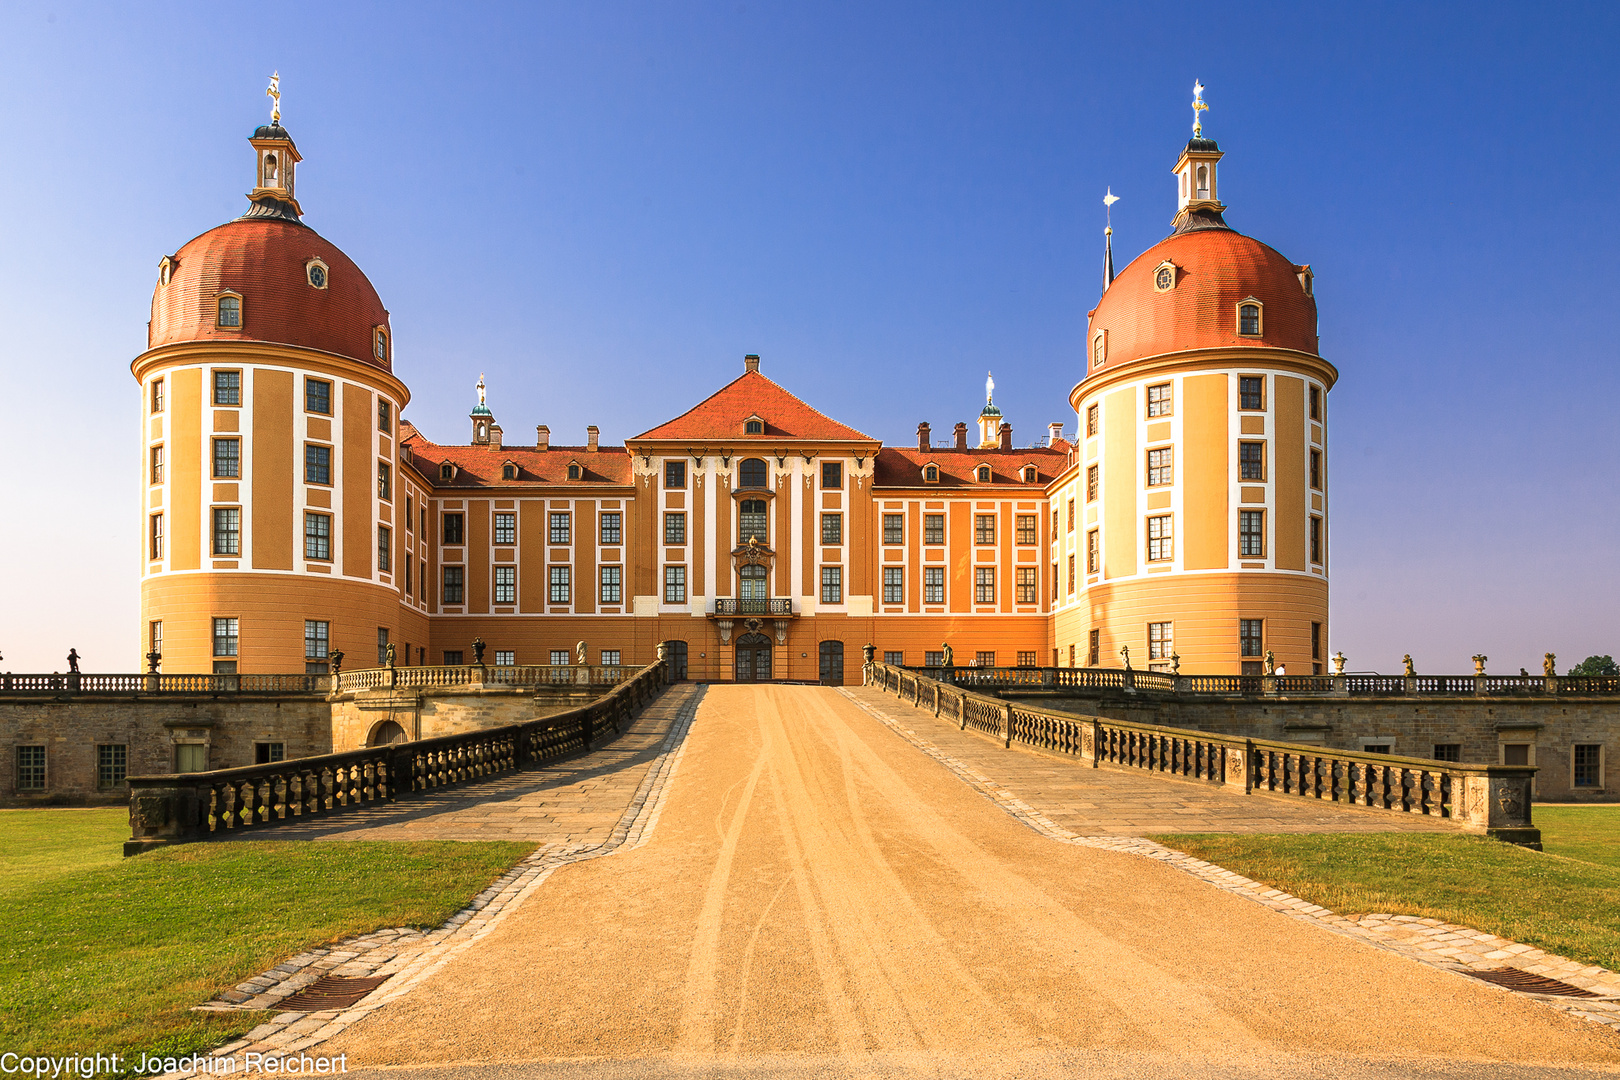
{"x":1198,"y":107}
{"x":989,"y":388}
{"x":1108,"y":201}
{"x":273,"y":92}
{"x":480,"y":388}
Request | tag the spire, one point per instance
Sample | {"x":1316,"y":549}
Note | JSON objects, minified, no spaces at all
{"x":1108,"y":239}
{"x":1198,"y":204}
{"x":272,"y":195}
{"x":1199,"y":108}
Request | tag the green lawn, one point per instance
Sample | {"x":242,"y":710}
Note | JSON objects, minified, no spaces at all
{"x":1558,"y":902}
{"x":1591,"y":833}
{"x":109,"y":954}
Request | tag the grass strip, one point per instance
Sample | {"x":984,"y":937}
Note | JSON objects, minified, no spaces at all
{"x":1589,"y":833}
{"x":1566,"y":906}
{"x":106,"y":954}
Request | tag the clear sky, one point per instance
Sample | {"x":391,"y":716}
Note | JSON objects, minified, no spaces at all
{"x":604,"y":206}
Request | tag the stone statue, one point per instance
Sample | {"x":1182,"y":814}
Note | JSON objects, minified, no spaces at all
{"x":388,"y":655}
{"x":1269,"y":663}
{"x":336,"y":656}
{"x":1338,"y":662}
{"x":1479,"y":663}
{"x":1175,"y":663}
{"x":579,"y":654}
{"x":1410,"y":670}
{"x":1549,"y":665}
{"x":1125,"y":656}
{"x":946,"y":659}
{"x":478,"y":651}
{"x":73,"y":661}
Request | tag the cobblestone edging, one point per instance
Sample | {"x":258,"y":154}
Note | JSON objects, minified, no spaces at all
{"x":1430,"y":941}
{"x":411,"y":955}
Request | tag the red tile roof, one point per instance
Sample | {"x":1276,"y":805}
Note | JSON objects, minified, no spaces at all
{"x":1216,"y":268}
{"x":721,"y":416}
{"x":481,"y":466}
{"x":901,"y":467}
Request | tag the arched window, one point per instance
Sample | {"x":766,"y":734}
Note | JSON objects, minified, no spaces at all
{"x":751,"y":583}
{"x":1099,"y":349}
{"x":447,"y":471}
{"x":984,"y":474}
{"x":931,"y":474}
{"x":754,"y":427}
{"x":1249,"y":319}
{"x":751,"y":473}
{"x":230,"y":311}
{"x":379,"y":345}
{"x":573,"y":472}
{"x":1031,"y":474}
{"x":751,"y":521}
{"x":508,"y":471}
{"x":1203,"y":181}
{"x":269,"y":170}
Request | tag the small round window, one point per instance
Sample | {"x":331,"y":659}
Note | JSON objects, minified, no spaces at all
{"x":1167,"y":278}
{"x":317,"y":273}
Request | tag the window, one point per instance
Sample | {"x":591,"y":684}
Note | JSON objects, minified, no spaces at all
{"x":933,"y":528}
{"x":1316,"y":469}
{"x":612,"y":584}
{"x":560,"y":528}
{"x":560,"y":658}
{"x":1099,"y":349}
{"x":1160,"y":641}
{"x":317,"y":642}
{"x":506,"y":584}
{"x":1071,"y":574}
{"x":984,"y":584}
{"x":674,"y":584}
{"x":409,"y":585}
{"x":894,"y":528}
{"x":1251,"y":637}
{"x":227,"y":459}
{"x":751,"y":521}
{"x":1093,"y":417}
{"x":675,"y":528}
{"x":1026,"y":584}
{"x":447,"y":471}
{"x":385,"y":537}
{"x":934,"y":585}
{"x":452,"y":657}
{"x":610,"y":527}
{"x":1316,"y":641}
{"x":385,"y":416}
{"x":317,"y":536}
{"x":193,"y":757}
{"x":227,"y":530}
{"x":509,"y":471}
{"x":1249,"y":319}
{"x":984,"y":474}
{"x":984,"y":658}
{"x":1093,"y":553}
{"x":1449,"y":751}
{"x":832,"y":475}
{"x":751,"y":582}
{"x":894,"y":585}
{"x":1160,"y":466}
{"x":158,"y":395}
{"x":505,"y":527}
{"x":30,"y":768}
{"x":225,"y":637}
{"x":157,"y":465}
{"x":1093,"y":478}
{"x":1588,"y":765}
{"x":931,"y":474}
{"x":410,"y":512}
{"x":1161,"y":541}
{"x":1316,"y":539}
{"x":933,"y":659}
{"x":832,"y":584}
{"x":454,"y":577}
{"x":753,"y":427}
{"x":268,"y":753}
{"x":1031,"y":474}
{"x":1026,"y":659}
{"x":1251,"y":392}
{"x":832,"y":528}
{"x":229,"y":312}
{"x":561,"y":584}
{"x":1315,"y":394}
{"x":1515,"y":753}
{"x":318,"y":396}
{"x":1026,"y":528}
{"x":317,"y":464}
{"x":894,"y":657}
{"x":379,"y":344}
{"x":984,"y":528}
{"x":1094,"y":648}
{"x":452,"y":528}
{"x":1374,"y":748}
{"x":1159,"y":400}
{"x":1072,"y":662}
{"x":112,"y":764}
{"x":574,"y":472}
{"x":611,"y":658}
{"x":227,"y":388}
{"x":1252,"y":533}
{"x":1251,"y":461}
{"x":157,"y":536}
{"x":385,"y":481}
{"x":154,"y":637}
{"x":674,"y":474}
{"x":752,"y":473}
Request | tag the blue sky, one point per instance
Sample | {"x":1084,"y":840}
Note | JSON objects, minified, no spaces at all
{"x":604,"y":206}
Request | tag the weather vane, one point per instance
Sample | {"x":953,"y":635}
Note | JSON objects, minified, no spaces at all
{"x":480,"y":388}
{"x":1108,"y":201}
{"x":273,"y":92}
{"x":989,"y":388}
{"x":1198,"y":107}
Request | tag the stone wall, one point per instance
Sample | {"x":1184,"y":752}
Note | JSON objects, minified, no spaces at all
{"x":426,"y":714}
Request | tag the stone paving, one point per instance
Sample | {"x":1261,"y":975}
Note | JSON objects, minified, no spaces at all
{"x":1046,"y":807}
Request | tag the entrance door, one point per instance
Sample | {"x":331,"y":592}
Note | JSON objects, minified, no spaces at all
{"x":832,"y":663}
{"x":753,"y":658}
{"x":676,"y":655}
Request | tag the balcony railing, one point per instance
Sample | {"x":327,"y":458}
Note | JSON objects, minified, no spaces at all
{"x":154,"y":683}
{"x":1013,"y":680}
{"x":731,"y":606}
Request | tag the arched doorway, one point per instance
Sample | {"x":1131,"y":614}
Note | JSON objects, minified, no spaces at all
{"x":832,"y":663}
{"x":385,"y":733}
{"x":753,"y":658}
{"x":676,"y":654}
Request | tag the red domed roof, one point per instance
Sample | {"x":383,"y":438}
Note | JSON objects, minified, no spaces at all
{"x":1216,"y":269}
{"x":265,"y":259}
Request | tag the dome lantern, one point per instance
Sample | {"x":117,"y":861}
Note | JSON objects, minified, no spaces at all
{"x":1197,"y":192}
{"x":275,"y":157}
{"x":483,"y":421}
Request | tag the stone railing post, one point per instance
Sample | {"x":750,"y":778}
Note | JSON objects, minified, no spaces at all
{"x":1238,"y":771}
{"x":1128,"y":681}
{"x":401,"y":770}
{"x":1091,"y":741}
{"x":1006,"y":725}
{"x":1495,"y":800}
{"x":162,"y":812}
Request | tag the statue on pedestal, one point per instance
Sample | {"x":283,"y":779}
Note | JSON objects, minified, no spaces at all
{"x":946,"y":659}
{"x":73,"y":661}
{"x":1269,"y":663}
{"x":1479,"y":663}
{"x":1549,"y":665}
{"x":1410,"y":670}
{"x":478,"y":651}
{"x":1338,"y":662}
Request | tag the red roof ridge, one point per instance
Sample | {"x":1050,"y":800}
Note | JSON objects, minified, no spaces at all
{"x":752,"y":393}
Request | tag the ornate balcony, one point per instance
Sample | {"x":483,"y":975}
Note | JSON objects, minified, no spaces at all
{"x":727,"y":607}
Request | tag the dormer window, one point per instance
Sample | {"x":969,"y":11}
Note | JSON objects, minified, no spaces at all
{"x":165,"y":270}
{"x":1031,"y":474}
{"x":574,"y":471}
{"x":1099,"y":348}
{"x":1164,"y":278}
{"x":229,"y":311}
{"x":983,"y":473}
{"x":1248,"y":313}
{"x":447,"y":471}
{"x":1305,"y":277}
{"x":317,"y":272}
{"x":379,"y":343}
{"x":753,"y":426}
{"x":931,"y":474}
{"x":509,"y":471}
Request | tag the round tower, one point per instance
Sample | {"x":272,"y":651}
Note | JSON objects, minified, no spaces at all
{"x":1201,"y":457}
{"x":270,"y":467}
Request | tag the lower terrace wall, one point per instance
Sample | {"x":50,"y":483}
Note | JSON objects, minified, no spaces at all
{"x":358,"y":720}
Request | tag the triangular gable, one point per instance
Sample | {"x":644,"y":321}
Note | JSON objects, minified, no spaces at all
{"x":723,"y":413}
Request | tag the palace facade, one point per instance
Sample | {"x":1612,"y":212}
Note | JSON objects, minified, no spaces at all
{"x":291,"y":513}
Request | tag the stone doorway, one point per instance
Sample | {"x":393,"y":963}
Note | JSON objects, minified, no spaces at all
{"x":832,"y":663}
{"x":753,"y":658}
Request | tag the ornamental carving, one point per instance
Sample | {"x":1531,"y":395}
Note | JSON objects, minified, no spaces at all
{"x":1511,"y":799}
{"x":753,"y":553}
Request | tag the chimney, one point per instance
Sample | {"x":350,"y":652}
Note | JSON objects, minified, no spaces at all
{"x":922,"y":436}
{"x":495,"y":436}
{"x":542,"y":437}
{"x":961,"y":436}
{"x":751,"y":363}
{"x":1054,"y":432}
{"x":1006,"y":436}
{"x":592,"y":433}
